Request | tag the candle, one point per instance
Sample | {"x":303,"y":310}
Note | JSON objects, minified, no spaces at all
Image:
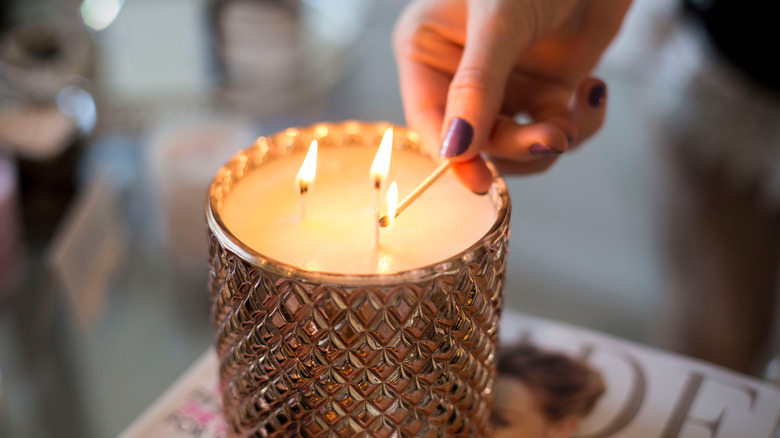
{"x":337,"y":234}
{"x":323,"y":333}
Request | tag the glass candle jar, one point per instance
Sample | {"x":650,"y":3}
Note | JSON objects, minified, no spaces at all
{"x":307,"y":353}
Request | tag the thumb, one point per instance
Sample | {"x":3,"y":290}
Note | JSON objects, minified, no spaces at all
{"x":493,"y":43}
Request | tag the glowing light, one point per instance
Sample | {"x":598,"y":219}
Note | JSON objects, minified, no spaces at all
{"x":99,"y":14}
{"x":381,"y":165}
{"x":308,"y":169}
{"x":78,"y":104}
{"x":392,"y":202}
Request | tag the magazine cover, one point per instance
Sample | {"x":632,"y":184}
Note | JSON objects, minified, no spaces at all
{"x":646,"y":393}
{"x":554,"y":380}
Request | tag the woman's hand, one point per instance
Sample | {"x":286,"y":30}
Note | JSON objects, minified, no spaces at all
{"x":467,"y":67}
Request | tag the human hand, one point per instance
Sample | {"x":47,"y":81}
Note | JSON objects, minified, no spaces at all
{"x":475,"y":64}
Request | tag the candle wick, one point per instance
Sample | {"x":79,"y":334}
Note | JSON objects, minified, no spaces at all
{"x":304,"y":189}
{"x":377,"y":196}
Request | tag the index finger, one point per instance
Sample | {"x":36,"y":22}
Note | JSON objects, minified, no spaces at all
{"x":423,"y":92}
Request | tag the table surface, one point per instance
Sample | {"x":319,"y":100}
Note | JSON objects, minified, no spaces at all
{"x":644,"y":389}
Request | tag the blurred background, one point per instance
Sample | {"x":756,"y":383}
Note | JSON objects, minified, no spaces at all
{"x":115,"y":115}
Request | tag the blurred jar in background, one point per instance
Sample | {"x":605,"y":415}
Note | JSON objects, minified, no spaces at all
{"x":46,"y":54}
{"x":43,"y":45}
{"x":722,"y":196}
{"x":274,"y":55}
{"x":258,"y":47}
{"x":45,"y":142}
{"x":183,"y":158}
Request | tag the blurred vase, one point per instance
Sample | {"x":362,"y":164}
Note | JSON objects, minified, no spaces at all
{"x":273,"y":55}
{"x":47,"y":146}
{"x":45,"y":55}
{"x":184,"y":156}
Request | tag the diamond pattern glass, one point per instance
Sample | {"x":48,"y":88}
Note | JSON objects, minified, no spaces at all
{"x":326,"y":355}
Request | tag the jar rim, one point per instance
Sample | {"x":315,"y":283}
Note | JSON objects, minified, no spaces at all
{"x":279,"y":144}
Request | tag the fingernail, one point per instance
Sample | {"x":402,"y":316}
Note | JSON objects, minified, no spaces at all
{"x":457,"y":139}
{"x":597,"y":95}
{"x":542,"y":150}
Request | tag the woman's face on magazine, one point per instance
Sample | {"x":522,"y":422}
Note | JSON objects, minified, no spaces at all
{"x":517,"y":413}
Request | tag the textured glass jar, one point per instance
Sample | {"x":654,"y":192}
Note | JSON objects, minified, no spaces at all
{"x":307,"y":353}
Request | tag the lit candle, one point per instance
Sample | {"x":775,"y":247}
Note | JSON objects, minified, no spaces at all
{"x":313,"y":311}
{"x":305,"y":177}
{"x":380,"y":167}
{"x":381,"y":164}
{"x":339,"y":231}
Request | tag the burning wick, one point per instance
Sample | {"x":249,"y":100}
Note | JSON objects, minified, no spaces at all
{"x":305,"y":177}
{"x":381,"y":165}
{"x":387,"y":219}
{"x":379,"y":170}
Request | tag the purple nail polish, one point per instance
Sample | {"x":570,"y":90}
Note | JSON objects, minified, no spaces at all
{"x":542,"y":150}
{"x":596,"y":95}
{"x":457,"y":139}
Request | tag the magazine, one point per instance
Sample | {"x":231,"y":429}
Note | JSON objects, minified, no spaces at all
{"x":551,"y":376}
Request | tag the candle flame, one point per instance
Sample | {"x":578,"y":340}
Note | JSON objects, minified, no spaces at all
{"x":308,"y":169}
{"x":392,"y":203}
{"x":381,"y":165}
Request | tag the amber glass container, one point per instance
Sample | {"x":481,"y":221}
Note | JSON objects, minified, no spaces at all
{"x":306,"y":353}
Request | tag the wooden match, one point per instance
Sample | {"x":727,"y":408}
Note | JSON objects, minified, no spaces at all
{"x":384,"y":221}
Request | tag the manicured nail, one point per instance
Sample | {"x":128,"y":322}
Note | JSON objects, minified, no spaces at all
{"x":457,"y":139}
{"x":597,"y":95}
{"x":542,"y":150}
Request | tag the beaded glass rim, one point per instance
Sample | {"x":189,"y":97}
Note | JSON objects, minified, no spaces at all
{"x":359,"y":134}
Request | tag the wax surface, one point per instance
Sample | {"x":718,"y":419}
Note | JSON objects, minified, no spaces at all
{"x":337,"y":235}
